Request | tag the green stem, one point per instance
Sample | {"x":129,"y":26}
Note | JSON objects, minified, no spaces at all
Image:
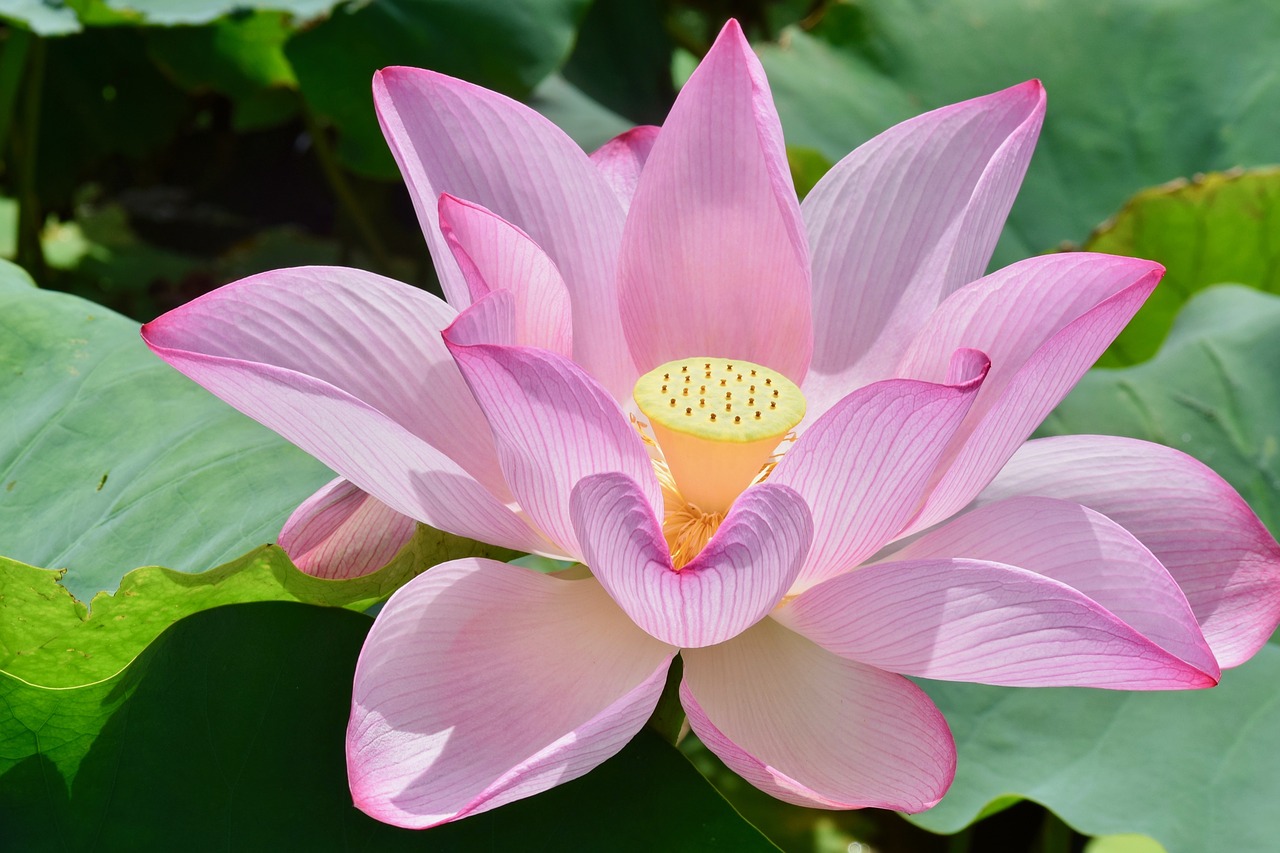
{"x":13,"y":59}
{"x":25,"y":143}
{"x":668,"y":717}
{"x":343,"y":192}
{"x":1055,"y":836}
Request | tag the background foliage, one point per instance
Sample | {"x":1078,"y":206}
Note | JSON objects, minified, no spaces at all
{"x":151,"y":150}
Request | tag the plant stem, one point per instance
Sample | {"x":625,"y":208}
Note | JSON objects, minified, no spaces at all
{"x":1055,"y":836}
{"x":343,"y":192}
{"x":24,"y":143}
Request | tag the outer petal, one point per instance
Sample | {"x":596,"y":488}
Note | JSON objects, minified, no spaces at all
{"x":1084,"y":550}
{"x":973,"y":620}
{"x":743,"y":572}
{"x":553,"y":425}
{"x":1043,"y":322}
{"x":450,"y":136}
{"x":343,"y":532}
{"x":714,"y":257}
{"x":482,"y":683}
{"x":815,"y":729}
{"x":621,"y":159}
{"x":905,"y":220}
{"x":350,"y":367}
{"x":863,"y":467}
{"x":493,"y":254}
{"x":1213,"y":545}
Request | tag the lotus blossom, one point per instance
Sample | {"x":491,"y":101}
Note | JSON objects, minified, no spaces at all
{"x":785,"y":441}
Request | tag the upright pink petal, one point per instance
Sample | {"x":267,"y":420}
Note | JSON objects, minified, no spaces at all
{"x":452,"y":137}
{"x":975,"y":620}
{"x":1043,"y":322}
{"x":1212,"y":543}
{"x":815,"y":729}
{"x":482,"y":683}
{"x":714,"y":257}
{"x":343,"y":532}
{"x":742,"y":573}
{"x":1083,"y":549}
{"x":621,"y":159}
{"x":902,"y":222}
{"x":350,"y":367}
{"x":862,"y":468}
{"x":553,"y":425}
{"x":494,"y":254}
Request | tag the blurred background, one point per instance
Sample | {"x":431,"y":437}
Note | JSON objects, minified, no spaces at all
{"x":152,"y":150}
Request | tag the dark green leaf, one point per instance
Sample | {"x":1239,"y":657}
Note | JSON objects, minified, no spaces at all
{"x":1140,"y":93}
{"x":506,"y":45}
{"x":227,"y":733}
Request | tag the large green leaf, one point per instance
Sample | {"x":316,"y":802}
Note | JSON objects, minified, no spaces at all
{"x":1212,"y":391}
{"x":179,"y":12}
{"x":1139,"y":93}
{"x":47,"y":638}
{"x":507,"y":45}
{"x":227,"y":734}
{"x":110,"y":459}
{"x":1196,"y":771}
{"x":1216,"y":228}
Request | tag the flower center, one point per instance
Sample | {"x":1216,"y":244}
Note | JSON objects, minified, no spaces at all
{"x":717,"y":422}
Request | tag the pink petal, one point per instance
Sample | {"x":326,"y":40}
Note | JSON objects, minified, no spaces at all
{"x":974,"y":620}
{"x":482,"y":683}
{"x":553,"y":426}
{"x":342,"y":532}
{"x":902,"y":222}
{"x":1212,"y":543}
{"x":1043,"y":322}
{"x":738,"y":578}
{"x":1084,"y":550}
{"x":350,"y":367}
{"x":494,"y":254}
{"x":621,"y":159}
{"x":452,"y":137}
{"x":714,"y":257}
{"x":863,"y":467}
{"x":815,"y":729}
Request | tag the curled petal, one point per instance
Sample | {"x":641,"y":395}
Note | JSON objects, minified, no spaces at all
{"x":453,"y":137}
{"x":1043,"y":322}
{"x":553,"y":426}
{"x":493,"y":254}
{"x":482,"y":683}
{"x":738,"y":577}
{"x":350,"y":367}
{"x":815,"y":729}
{"x":343,"y":532}
{"x":621,"y":159}
{"x":1193,"y":521}
{"x":975,"y":620}
{"x":863,"y":467}
{"x":714,"y":256}
{"x":1084,"y":550}
{"x":905,"y":220}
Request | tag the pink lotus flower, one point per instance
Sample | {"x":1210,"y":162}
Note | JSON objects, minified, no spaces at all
{"x":550,"y":406}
